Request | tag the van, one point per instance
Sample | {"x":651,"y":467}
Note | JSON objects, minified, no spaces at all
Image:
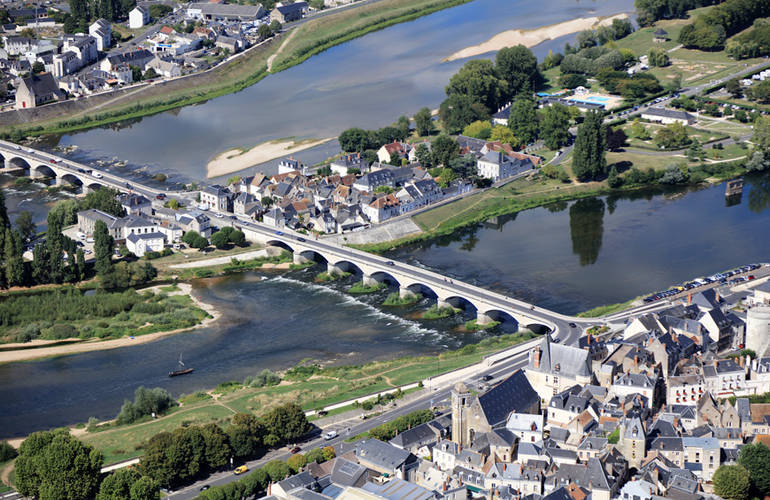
{"x":81,"y":235}
{"x":330,"y":435}
{"x":240,"y":470}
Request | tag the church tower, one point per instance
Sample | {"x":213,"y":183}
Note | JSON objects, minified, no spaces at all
{"x":461,"y":403}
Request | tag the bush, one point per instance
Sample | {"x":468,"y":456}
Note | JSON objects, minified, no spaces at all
{"x":146,"y":402}
{"x":151,"y":255}
{"x":7,"y":452}
{"x":572,"y":80}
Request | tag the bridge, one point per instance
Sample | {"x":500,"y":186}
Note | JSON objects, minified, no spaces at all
{"x":411,"y":280}
{"x":40,"y":165}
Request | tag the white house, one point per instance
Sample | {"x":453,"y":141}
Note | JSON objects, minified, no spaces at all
{"x":666,"y":116}
{"x":528,"y":428}
{"x":138,"y":17}
{"x":139,"y":244}
{"x":495,"y":165}
{"x":102,"y":32}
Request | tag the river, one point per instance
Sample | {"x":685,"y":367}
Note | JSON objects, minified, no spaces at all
{"x":569,"y":257}
{"x":367,"y":82}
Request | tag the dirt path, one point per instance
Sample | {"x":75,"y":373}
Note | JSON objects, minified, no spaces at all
{"x":280,"y":49}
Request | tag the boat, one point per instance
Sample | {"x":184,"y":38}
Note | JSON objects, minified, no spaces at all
{"x":183,"y":370}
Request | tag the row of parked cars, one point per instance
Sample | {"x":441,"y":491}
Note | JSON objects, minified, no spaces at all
{"x":714,"y":278}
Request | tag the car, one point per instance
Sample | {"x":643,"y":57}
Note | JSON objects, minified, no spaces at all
{"x":295,"y":450}
{"x":279,"y":233}
{"x":218,"y":215}
{"x":240,"y":470}
{"x":556,"y":340}
{"x":487,"y":378}
{"x":128,"y":185}
{"x":390,"y":263}
{"x":97,"y":175}
{"x":160,"y":196}
{"x":300,"y":238}
{"x":572,"y":325}
{"x":330,"y":435}
{"x":81,"y":171}
{"x":204,"y":487}
{"x":17,"y":147}
{"x":52,"y":160}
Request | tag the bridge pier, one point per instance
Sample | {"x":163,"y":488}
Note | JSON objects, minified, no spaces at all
{"x":299,"y":259}
{"x":367,"y":280}
{"x":59,"y":181}
{"x":443,"y":304}
{"x":406,"y":293}
{"x":35,"y":174}
{"x":483,"y":319}
{"x":331,"y":269}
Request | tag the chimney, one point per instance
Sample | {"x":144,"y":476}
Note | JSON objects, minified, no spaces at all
{"x":537,"y":357}
{"x":717,"y":296}
{"x":589,"y":339}
{"x":636,"y":360}
{"x":689,"y":299}
{"x":742,"y":361}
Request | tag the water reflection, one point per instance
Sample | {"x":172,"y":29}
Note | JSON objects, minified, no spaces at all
{"x":586,"y":227}
{"x":759,"y":194}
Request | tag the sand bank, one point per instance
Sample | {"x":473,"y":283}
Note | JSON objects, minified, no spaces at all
{"x":99,"y":345}
{"x":530,"y":38}
{"x":236,"y":160}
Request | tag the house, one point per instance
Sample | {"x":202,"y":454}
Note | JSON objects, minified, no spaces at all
{"x":135,"y":57}
{"x":638,"y":490}
{"x":497,"y":165}
{"x":389,"y":152}
{"x":138,"y":17}
{"x":527,"y":427}
{"x":502,"y":115}
{"x":17,"y":45}
{"x":167,"y":69}
{"x":194,"y":221}
{"x":210,"y":11}
{"x":286,"y":13}
{"x":473,"y":415}
{"x":230,"y":43}
{"x":101,"y":30}
{"x":36,"y":90}
{"x":667,"y":116}
{"x":87,"y":222}
{"x":724,"y":377}
{"x":382,"y":208}
{"x":382,"y":457}
{"x":216,"y":198}
{"x":415,"y":438}
{"x":135,"y":204}
{"x":139,"y":244}
{"x":637,"y":383}
{"x":371,"y":181}
{"x":554,"y":367}
{"x":343,"y":164}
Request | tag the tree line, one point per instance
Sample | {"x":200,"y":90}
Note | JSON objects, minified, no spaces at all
{"x":710,"y":30}
{"x":649,"y":11}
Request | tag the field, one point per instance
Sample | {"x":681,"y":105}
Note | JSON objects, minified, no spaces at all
{"x":324,"y":387}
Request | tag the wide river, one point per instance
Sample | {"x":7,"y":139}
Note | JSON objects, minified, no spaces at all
{"x":367,"y":82}
{"x":568,"y":257}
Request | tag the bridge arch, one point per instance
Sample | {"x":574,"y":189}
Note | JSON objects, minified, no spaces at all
{"x":422,"y":289}
{"x":310,"y":255}
{"x":19,"y":162}
{"x":71,"y":179}
{"x":93,"y":186}
{"x":538,"y":328}
{"x":43,"y":171}
{"x":385,"y":277}
{"x":508,"y":322}
{"x":343,"y":265}
{"x":458,"y":302}
{"x":279,"y":243}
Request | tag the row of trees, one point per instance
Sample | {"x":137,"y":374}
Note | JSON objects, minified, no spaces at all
{"x":619,"y":28}
{"x":649,"y":11}
{"x":359,"y":140}
{"x":749,"y":478}
{"x":176,"y":457}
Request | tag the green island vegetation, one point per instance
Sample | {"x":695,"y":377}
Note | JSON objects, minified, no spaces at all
{"x":396,"y":300}
{"x":475,"y":326}
{"x":359,"y":288}
{"x":309,"y":385}
{"x":436,"y":312}
{"x":71,"y":313}
{"x":604,"y":310}
{"x":325,"y":277}
{"x":243,"y":71}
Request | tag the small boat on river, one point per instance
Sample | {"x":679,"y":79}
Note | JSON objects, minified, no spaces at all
{"x":183,"y":370}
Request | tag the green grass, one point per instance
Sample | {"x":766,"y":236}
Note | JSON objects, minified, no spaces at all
{"x":434,"y":312}
{"x":396,"y":300}
{"x":607,"y":309}
{"x":361,"y":289}
{"x":325,"y":277}
{"x":196,"y":397}
{"x":703,"y":136}
{"x":475,"y":326}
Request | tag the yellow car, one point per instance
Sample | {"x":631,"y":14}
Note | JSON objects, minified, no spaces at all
{"x":240,"y":470}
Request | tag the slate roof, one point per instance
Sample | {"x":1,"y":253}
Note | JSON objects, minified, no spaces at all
{"x":301,"y":480}
{"x":133,"y":238}
{"x":571,"y":361}
{"x":512,"y":394}
{"x":419,"y":435}
{"x":381,"y":454}
{"x":668,"y":113}
{"x":347,"y":473}
{"x":667,"y":444}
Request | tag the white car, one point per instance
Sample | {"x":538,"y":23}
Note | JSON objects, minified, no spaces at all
{"x":218,"y":216}
{"x":330,"y":435}
{"x":97,"y":175}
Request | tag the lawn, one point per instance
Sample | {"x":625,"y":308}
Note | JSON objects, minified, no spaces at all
{"x":327,"y":386}
{"x":701,"y":135}
{"x":731,"y":128}
{"x":643,"y":162}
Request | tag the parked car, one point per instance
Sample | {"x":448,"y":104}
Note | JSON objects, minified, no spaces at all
{"x":240,"y":470}
{"x":160,"y":196}
{"x":204,"y":487}
{"x":295,"y":450}
{"x":330,"y":435}
{"x":279,"y":233}
{"x":487,"y":378}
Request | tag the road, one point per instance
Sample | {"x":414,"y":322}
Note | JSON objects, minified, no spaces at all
{"x":433,"y":398}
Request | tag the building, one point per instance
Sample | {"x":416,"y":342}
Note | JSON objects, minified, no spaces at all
{"x":758,"y":329}
{"x":136,"y":57}
{"x":138,"y":17}
{"x":167,"y":69}
{"x":77,"y":51}
{"x":632,"y":441}
{"x":286,"y":13}
{"x":497,"y":165}
{"x":37,"y":90}
{"x":553,"y":367}
{"x":101,"y":30}
{"x":215,"y":198}
{"x":224,"y":12}
{"x":87,"y":222}
{"x":474,"y":415}
{"x":135,"y":204}
{"x":660,"y":36}
{"x":667,"y":116}
{"x":139,"y":244}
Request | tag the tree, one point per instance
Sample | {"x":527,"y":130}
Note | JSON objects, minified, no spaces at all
{"x":266,"y":201}
{"x":733,"y":86}
{"x":503,"y":135}
{"x":675,"y":174}
{"x":761,"y":136}
{"x":554,"y":125}
{"x":264,"y":31}
{"x":237,"y":238}
{"x":403,"y":125}
{"x":220,"y":239}
{"x":117,"y":486}
{"x":296,"y":462}
{"x":40,"y":260}
{"x":658,"y":57}
{"x":104,"y":199}
{"x":457,"y":111}
{"x":55,"y":245}
{"x":26,"y":226}
{"x":673,"y":135}
{"x":354,"y":140}
{"x":443,"y":149}
{"x":588,"y":160}
{"x":424,"y":156}
{"x":218,"y":450}
{"x":149,"y":75}
{"x":478,"y":129}
{"x":423,"y":120}
{"x":639,"y":130}
{"x":613,"y":180}
{"x":277,"y":470}
{"x":136,"y":73}
{"x":14,"y":262}
{"x":760,"y":91}
{"x":572,"y":80}
{"x":80,"y":262}
{"x":518,"y":67}
{"x":756,"y":459}
{"x":478,"y":80}
{"x":758,"y":162}
{"x":328,"y":453}
{"x":616,"y":138}
{"x":285,"y":423}
{"x":4,"y":220}
{"x":523,"y":120}
{"x":54,"y":465}
{"x":275,"y":26}
{"x":145,"y":488}
{"x":731,"y":482}
{"x":38,"y":68}
{"x":104,"y":247}
{"x":7,"y":452}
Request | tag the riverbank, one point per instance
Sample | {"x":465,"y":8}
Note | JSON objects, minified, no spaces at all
{"x":530,"y":38}
{"x":79,"y":346}
{"x":241,"y":71}
{"x":236,"y":160}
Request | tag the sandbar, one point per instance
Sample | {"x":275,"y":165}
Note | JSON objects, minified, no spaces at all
{"x":99,"y":345}
{"x":530,"y":38}
{"x":236,"y":160}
